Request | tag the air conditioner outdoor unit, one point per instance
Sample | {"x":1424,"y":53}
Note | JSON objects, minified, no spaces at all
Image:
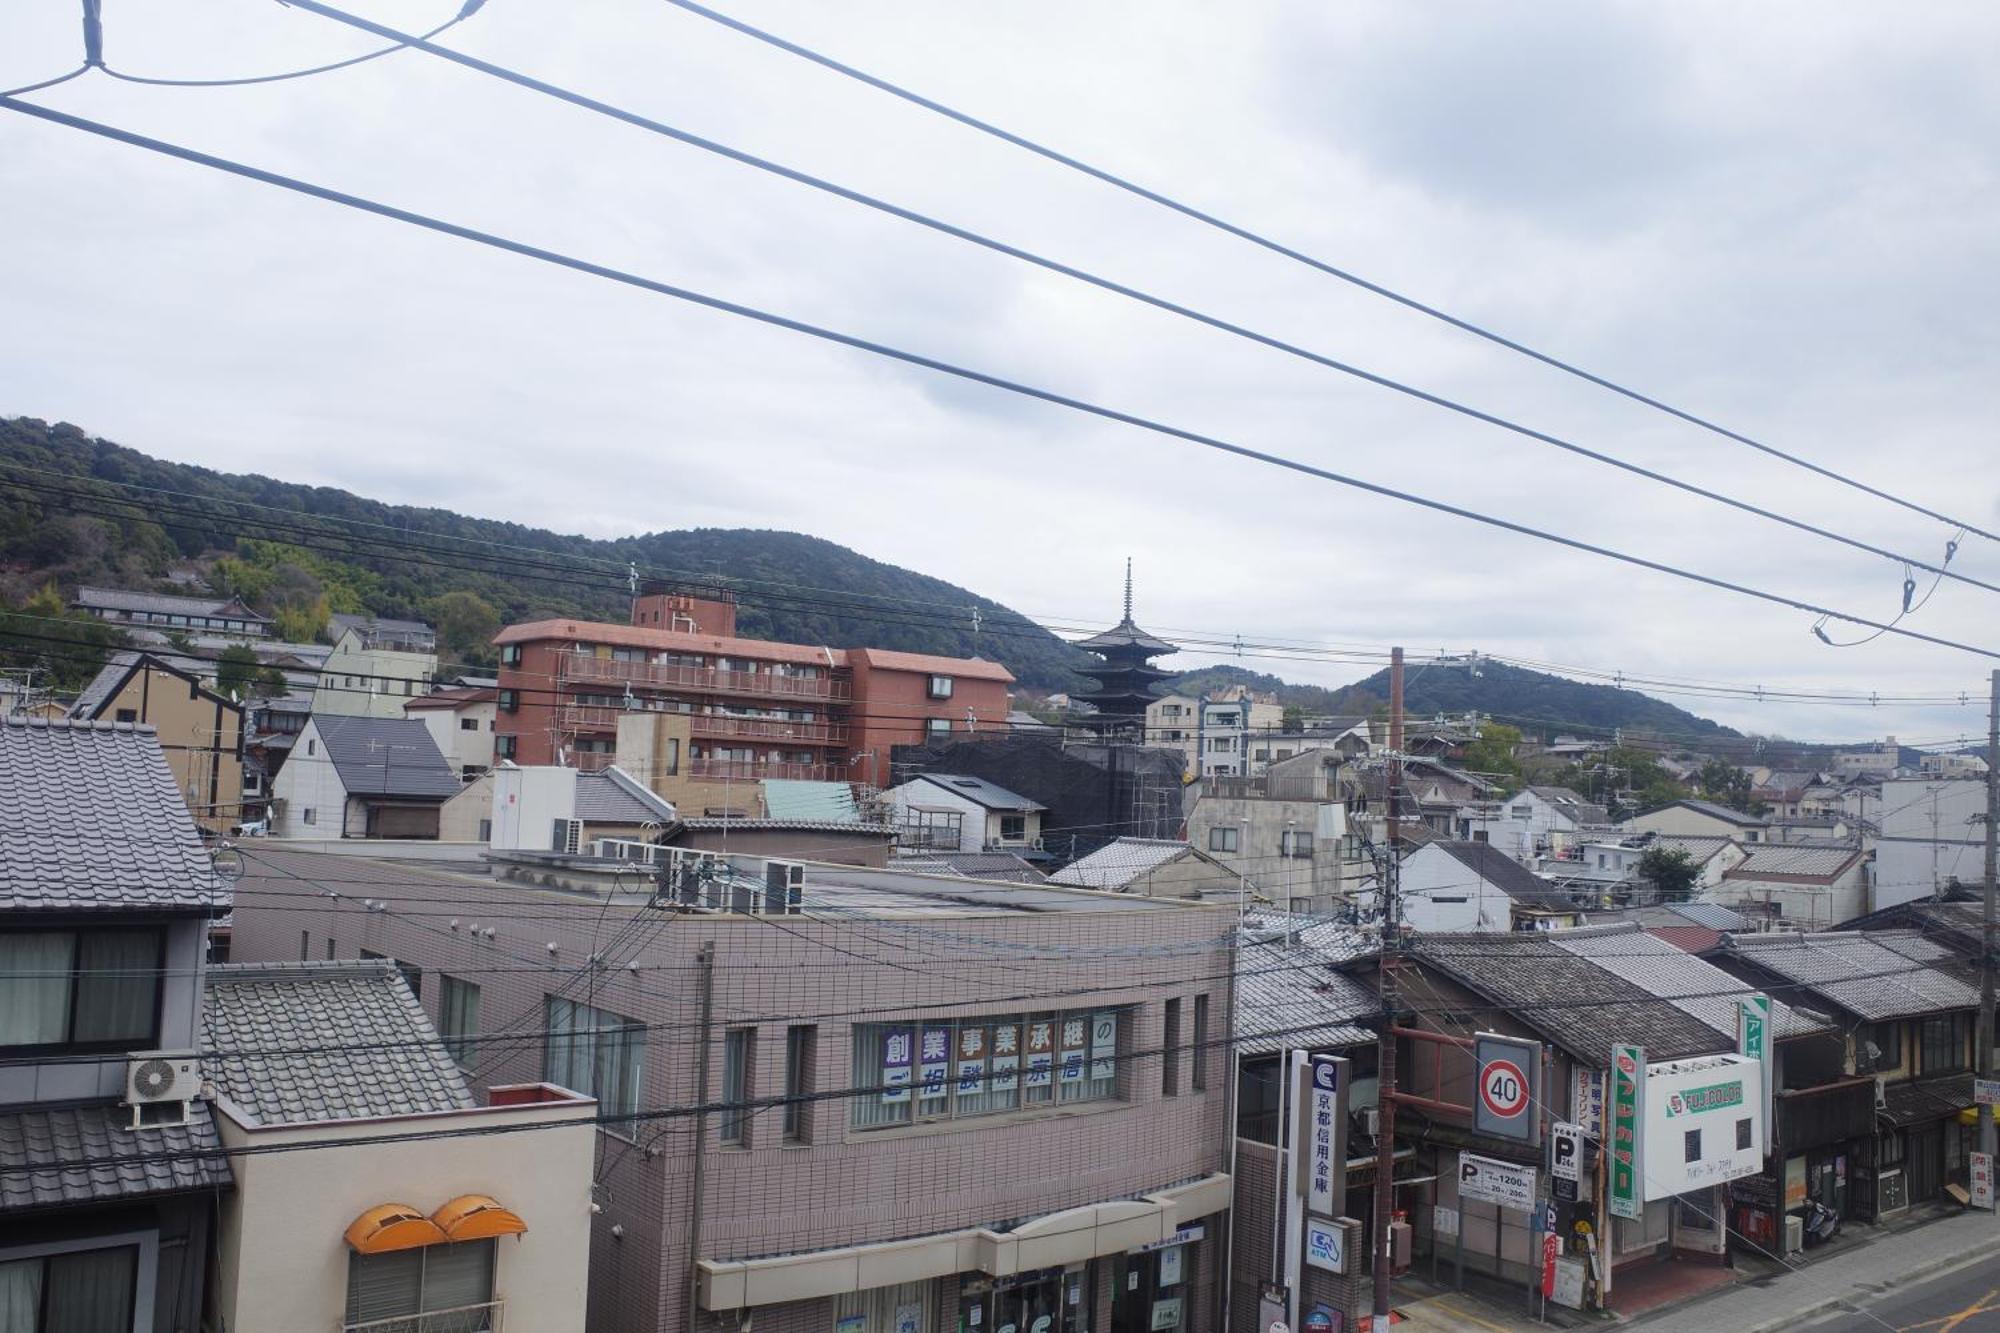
{"x":568,"y":837}
{"x":1371,"y":1121}
{"x":159,"y":1085}
{"x":784,"y":888}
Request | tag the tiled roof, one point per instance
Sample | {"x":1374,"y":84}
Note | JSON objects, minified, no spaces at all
{"x":1689,"y":938}
{"x":981,"y":792}
{"x":1572,"y":803}
{"x":611,"y":796}
{"x":1698,"y":988}
{"x":1698,"y":846}
{"x":1786,"y":859}
{"x":1003,"y":866}
{"x":1713,"y":809}
{"x":342,"y":621}
{"x":1117,"y":864}
{"x":121,"y":667}
{"x":1572,"y":1001}
{"x":455,"y":697}
{"x":386,"y":756}
{"x":1921,"y":1101}
{"x":711,"y":823}
{"x":1288,"y":996}
{"x":315,"y":1008}
{"x":118,"y":599}
{"x":123,"y":1164}
{"x":103,"y":685}
{"x":94,"y":822}
{"x":1713,"y":915}
{"x":1875,"y":975}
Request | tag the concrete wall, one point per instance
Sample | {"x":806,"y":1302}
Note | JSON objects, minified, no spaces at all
{"x":459,"y":818}
{"x":846,"y":1186}
{"x":1929,"y":838}
{"x":308,"y":781}
{"x":1433,"y":878}
{"x":459,"y":746}
{"x":371,"y":682}
{"x":283,"y":1262}
{"x":526,"y":804}
{"x":1801,"y":906}
{"x":1261,"y":828}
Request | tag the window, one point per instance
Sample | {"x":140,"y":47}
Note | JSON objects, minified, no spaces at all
{"x":1200,"y":1043}
{"x":1296,"y":844}
{"x":1743,"y":1134}
{"x":1945,"y":1042}
{"x":96,"y":988}
{"x":595,"y":1052}
{"x":468,"y":724}
{"x":801,"y":1044}
{"x":87,"y":1291}
{"x":458,"y":1018}
{"x":983,"y":1066}
{"x":1013,"y":828}
{"x":1258,"y":1106}
{"x":1170,"y":1054}
{"x":329,"y":948}
{"x":1220,"y":744}
{"x":509,"y":701}
{"x":503,"y":747}
{"x":1224,"y":839}
{"x":312,"y":746}
{"x":305,"y":944}
{"x":404,"y":1283}
{"x":937,"y":728}
{"x":128,"y":715}
{"x":939,"y":687}
{"x":510,"y":655}
{"x":738,"y":1045}
{"x":1691,"y":1145}
{"x":306,"y":815}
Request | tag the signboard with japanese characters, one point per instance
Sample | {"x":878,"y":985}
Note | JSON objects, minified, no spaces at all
{"x":1323,"y":1135}
{"x":1103,"y":1046}
{"x":1986,"y":1092}
{"x":971,"y":1064}
{"x":1006,"y":1061}
{"x":1703,"y":1124}
{"x":1624,"y":1197}
{"x":1755,"y":1042}
{"x":1566,"y":1151}
{"x":1506,"y":1100}
{"x":1982,"y":1180}
{"x":1505,"y":1183}
{"x":1586,"y":1099}
{"x":934,"y":1064}
{"x":1075,"y":1035}
{"x":1041,"y":1052}
{"x":898,"y":1046}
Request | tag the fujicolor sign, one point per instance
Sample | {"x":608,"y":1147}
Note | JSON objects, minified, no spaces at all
{"x":1703,"y":1123}
{"x":1715,"y":1097}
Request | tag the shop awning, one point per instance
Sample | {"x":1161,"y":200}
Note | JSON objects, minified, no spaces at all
{"x":392,"y":1226}
{"x":475,"y":1217}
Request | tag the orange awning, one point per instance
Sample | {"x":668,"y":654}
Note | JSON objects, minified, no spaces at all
{"x":475,"y":1217}
{"x":392,"y":1226}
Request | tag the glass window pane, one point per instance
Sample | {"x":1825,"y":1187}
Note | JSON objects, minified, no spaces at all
{"x":34,"y":987}
{"x":91,"y":1291}
{"x":118,"y":985}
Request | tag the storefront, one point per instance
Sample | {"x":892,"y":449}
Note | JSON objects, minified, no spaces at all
{"x":1151,"y":1285}
{"x":1045,"y":1300}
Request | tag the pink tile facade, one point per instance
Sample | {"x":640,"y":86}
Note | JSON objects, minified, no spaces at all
{"x":847,"y":1186}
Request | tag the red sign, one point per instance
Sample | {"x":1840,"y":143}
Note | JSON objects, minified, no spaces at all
{"x":1551,"y":1243}
{"x":1503,"y":1088}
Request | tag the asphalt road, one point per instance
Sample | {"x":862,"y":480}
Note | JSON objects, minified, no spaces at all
{"x":1964,"y":1300}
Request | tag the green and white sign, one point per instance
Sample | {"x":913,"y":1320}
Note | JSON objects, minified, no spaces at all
{"x":1754,"y":1041}
{"x":1625,"y":1196}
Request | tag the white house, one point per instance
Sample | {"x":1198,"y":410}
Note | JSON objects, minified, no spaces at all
{"x":1451,"y":886}
{"x":461,"y":721}
{"x":1933,"y":835}
{"x":1693,"y":818}
{"x":953,"y":812}
{"x":361,"y":777}
{"x":1809,"y":888}
{"x":1536,"y":821}
{"x":376,"y":667}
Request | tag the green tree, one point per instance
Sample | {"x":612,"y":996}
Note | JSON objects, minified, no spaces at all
{"x":1724,"y":782}
{"x":466,"y":624}
{"x":302,"y":623}
{"x":1493,"y":753}
{"x":1295,"y":717}
{"x":1671,"y":872}
{"x":63,"y":648}
{"x":236,"y":670}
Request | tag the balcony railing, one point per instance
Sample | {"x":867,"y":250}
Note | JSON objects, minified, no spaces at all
{"x":670,"y":676}
{"x":594,"y":761}
{"x":595,"y":717}
{"x":736,"y":770}
{"x":486,"y":1318}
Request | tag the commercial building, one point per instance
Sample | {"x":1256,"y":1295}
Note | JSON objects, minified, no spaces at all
{"x":109,"y":1158}
{"x":915,"y":1099}
{"x":741,"y":710}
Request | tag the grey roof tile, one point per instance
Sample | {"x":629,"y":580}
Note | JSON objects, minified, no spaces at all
{"x":122,"y":1163}
{"x":1118,"y":863}
{"x":1873,"y":974}
{"x":316,"y":1008}
{"x":610,"y":796}
{"x":1768,"y":858}
{"x":1694,"y":986}
{"x":1288,"y":996}
{"x":386,"y":756}
{"x":1502,"y":871}
{"x":118,"y":599}
{"x":981,"y":792}
{"x":94,"y":822}
{"x":970,"y":865}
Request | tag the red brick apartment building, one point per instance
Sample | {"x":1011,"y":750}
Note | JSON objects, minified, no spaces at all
{"x":754,"y":708}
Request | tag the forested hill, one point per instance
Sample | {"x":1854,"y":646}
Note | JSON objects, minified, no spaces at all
{"x":313,"y":547}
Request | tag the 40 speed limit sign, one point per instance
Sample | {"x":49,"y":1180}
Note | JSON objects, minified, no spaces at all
{"x":1507,"y":1092}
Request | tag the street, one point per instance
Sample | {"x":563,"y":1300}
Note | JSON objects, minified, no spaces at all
{"x":1964,"y":1300}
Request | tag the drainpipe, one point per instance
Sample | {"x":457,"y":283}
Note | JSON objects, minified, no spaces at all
{"x":706,"y":961}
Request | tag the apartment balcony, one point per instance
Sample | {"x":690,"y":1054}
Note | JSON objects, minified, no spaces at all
{"x":735,"y":770}
{"x":712,"y":726}
{"x":594,"y":761}
{"x":485,"y":1318}
{"x":704,"y":680}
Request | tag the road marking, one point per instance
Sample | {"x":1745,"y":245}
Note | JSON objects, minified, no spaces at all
{"x":1946,"y":1323}
{"x":1469,"y":1318}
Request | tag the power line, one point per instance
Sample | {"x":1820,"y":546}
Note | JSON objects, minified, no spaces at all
{"x":470,"y":7}
{"x":1288,"y":252}
{"x":1121,"y":289}
{"x":775,"y":320}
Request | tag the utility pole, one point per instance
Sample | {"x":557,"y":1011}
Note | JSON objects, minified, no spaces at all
{"x":705,"y":960}
{"x":1385,"y":1097}
{"x":1985,"y":1026}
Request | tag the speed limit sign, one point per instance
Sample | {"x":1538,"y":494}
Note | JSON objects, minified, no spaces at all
{"x":1506,"y":1086}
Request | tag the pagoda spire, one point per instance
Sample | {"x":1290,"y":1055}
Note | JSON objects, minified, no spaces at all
{"x":1128,"y":589}
{"x":1124,"y":673}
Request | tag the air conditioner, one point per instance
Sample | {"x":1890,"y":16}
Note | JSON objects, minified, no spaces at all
{"x":1371,"y":1121}
{"x":784,"y":888}
{"x":159,"y":1085}
{"x":568,"y":837}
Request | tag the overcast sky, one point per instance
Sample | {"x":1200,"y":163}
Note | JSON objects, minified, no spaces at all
{"x":1782,"y":216}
